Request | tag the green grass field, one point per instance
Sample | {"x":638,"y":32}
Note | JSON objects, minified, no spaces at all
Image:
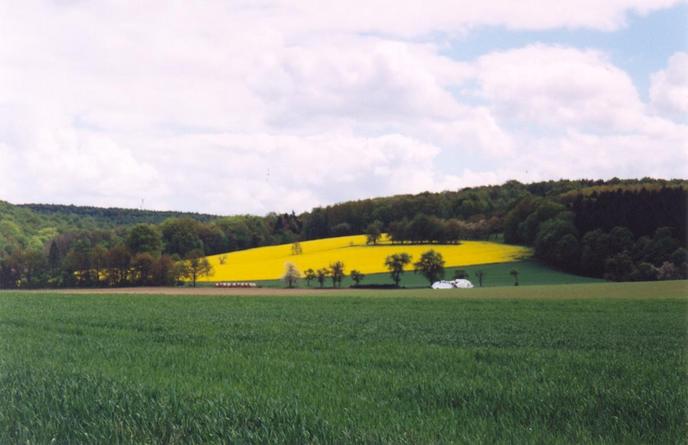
{"x":531,"y":272}
{"x":586,"y":363}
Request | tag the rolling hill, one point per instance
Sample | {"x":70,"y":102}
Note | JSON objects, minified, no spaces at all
{"x":268,"y":263}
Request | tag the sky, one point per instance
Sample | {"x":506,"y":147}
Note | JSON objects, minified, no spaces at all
{"x":233,"y":107}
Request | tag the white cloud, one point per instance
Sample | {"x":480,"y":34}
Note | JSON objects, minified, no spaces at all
{"x":416,"y":18}
{"x":558,"y":86}
{"x":262,"y":173}
{"x":576,"y":114}
{"x":253,"y":107}
{"x":669,"y":88}
{"x":362,"y":77}
{"x":46,"y":156}
{"x":474,"y":130}
{"x":606,"y":156}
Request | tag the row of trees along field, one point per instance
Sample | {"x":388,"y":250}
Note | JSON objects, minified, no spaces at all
{"x":101,"y":258}
{"x":431,"y":229}
{"x":621,"y":229}
{"x":36,"y":253}
{"x":430,"y":265}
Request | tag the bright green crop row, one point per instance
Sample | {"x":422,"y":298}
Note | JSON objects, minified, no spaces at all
{"x":409,"y":367}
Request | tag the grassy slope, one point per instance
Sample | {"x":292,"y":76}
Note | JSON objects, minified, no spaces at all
{"x":410,"y":367}
{"x":531,"y":272}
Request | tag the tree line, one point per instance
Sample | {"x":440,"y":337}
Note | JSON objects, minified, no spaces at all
{"x":142,"y":254}
{"x":100,"y":259}
{"x":432,"y":229}
{"x":618,"y":229}
{"x":469,"y":204}
{"x":431,"y":265}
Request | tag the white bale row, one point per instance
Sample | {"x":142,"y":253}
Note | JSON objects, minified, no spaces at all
{"x":235,"y":284}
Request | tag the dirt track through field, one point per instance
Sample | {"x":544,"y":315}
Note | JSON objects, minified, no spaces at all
{"x":641,"y":290}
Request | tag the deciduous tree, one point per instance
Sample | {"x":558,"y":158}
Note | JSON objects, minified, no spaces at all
{"x":595,"y":249}
{"x":337,"y":273}
{"x":357,"y":276}
{"x":163,"y":271}
{"x":373,"y":232}
{"x":142,"y":265}
{"x":98,"y":262}
{"x":309,"y":276}
{"x":395,"y":264}
{"x":118,"y":261}
{"x":668,"y":271}
{"x":291,"y":275}
{"x":180,"y":236}
{"x":144,"y":238}
{"x":619,"y":267}
{"x":430,"y":265}
{"x":196,"y":266}
{"x":54,"y":258}
{"x":322,"y":275}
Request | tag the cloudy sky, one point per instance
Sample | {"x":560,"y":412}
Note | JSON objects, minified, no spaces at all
{"x":256,"y":106}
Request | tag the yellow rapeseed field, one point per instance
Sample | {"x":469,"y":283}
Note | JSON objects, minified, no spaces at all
{"x":267,"y":263}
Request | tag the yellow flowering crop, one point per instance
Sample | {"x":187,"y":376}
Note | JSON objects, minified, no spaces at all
{"x":267,"y":263}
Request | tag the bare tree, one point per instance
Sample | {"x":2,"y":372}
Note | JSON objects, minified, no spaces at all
{"x":514,"y":273}
{"x":480,"y":275}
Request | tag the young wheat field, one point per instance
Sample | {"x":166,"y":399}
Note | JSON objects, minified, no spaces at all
{"x":584,"y":363}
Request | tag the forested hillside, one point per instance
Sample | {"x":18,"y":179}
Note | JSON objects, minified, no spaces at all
{"x":110,"y":217}
{"x":618,"y":229}
{"x":621,"y":234}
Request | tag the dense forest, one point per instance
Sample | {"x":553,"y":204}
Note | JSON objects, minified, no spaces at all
{"x":618,"y":229}
{"x":110,"y":217}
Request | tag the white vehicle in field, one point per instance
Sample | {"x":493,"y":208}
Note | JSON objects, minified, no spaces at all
{"x":459,"y":283}
{"x":442,"y":285}
{"x":462,"y":283}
